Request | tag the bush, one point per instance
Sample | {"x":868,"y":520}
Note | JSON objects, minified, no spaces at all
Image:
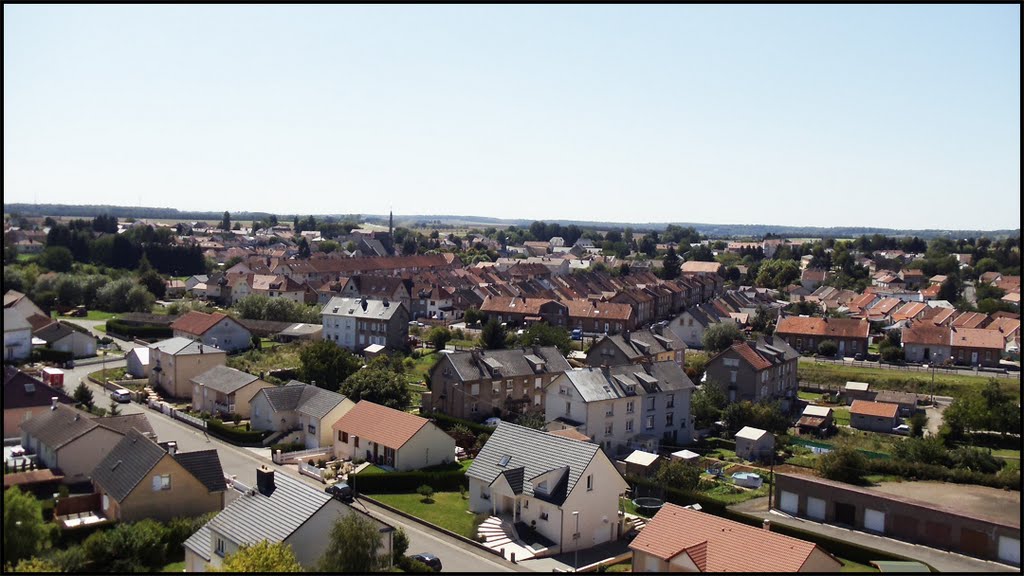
{"x":286,"y":447}
{"x":446,"y":422}
{"x":426,"y":492}
{"x":828,"y":348}
{"x":399,"y":482}
{"x":843,"y":464}
{"x":920,"y":471}
{"x":143,"y":332}
{"x":253,"y":438}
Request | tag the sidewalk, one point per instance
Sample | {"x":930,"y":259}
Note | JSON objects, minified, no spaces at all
{"x":939,"y":559}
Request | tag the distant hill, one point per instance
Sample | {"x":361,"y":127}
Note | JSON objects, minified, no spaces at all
{"x":711,"y":230}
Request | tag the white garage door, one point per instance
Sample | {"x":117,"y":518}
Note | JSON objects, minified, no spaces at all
{"x":1009,"y":550}
{"x":816,"y":508}
{"x":789,"y":502}
{"x":874,"y":520}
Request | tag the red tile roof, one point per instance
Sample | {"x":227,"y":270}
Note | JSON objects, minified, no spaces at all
{"x":751,"y":356}
{"x":513,"y":305}
{"x":882,"y":409}
{"x":926,"y":334}
{"x":970,"y":320}
{"x":380,"y":424}
{"x":571,"y":433}
{"x":197,"y":323}
{"x":976,"y":338}
{"x":830,"y":327}
{"x":599,"y":310}
{"x":716,"y":544}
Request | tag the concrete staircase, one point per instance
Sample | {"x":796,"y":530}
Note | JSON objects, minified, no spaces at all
{"x":501,"y":535}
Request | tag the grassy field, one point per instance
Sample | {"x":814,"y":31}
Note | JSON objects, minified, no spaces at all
{"x":447,"y":509}
{"x":851,"y":566}
{"x":422,"y":365}
{"x":841,"y":416}
{"x":91,"y":315}
{"x":907,"y":381}
{"x":256,"y":361}
{"x":174,"y":567}
{"x":109,"y":374}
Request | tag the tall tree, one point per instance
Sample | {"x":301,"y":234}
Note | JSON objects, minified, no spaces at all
{"x":83,"y":395}
{"x":225,"y":223}
{"x":492,"y":337}
{"x":326,"y":364}
{"x":672,"y":265}
{"x":378,"y":385}
{"x":354,"y":546}
{"x":25,"y":533}
{"x":720,"y":336}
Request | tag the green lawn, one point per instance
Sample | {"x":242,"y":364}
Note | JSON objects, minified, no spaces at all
{"x":448,"y":510}
{"x":851,"y":566}
{"x":92,"y":315}
{"x":904,"y":380}
{"x":841,"y":416}
{"x":809,"y":396}
{"x":462,"y":465}
{"x":372,"y":469}
{"x":256,"y":361}
{"x":422,"y":365}
{"x":624,"y":566}
{"x":729,"y":494}
{"x":109,"y":374}
{"x":174,"y":567}
{"x":1006,"y":453}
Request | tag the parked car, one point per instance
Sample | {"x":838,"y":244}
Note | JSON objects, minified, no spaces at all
{"x":577,"y":334}
{"x":341,"y":491}
{"x":858,"y":356}
{"x":492,"y":421}
{"x":121,"y":395}
{"x":902,"y":429}
{"x":429,"y":559}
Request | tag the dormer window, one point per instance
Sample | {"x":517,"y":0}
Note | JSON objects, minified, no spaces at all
{"x":542,"y":487}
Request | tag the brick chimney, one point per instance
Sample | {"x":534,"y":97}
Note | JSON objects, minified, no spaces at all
{"x":265,"y":480}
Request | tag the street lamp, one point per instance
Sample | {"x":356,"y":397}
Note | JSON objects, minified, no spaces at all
{"x":104,"y":366}
{"x":576,"y":543}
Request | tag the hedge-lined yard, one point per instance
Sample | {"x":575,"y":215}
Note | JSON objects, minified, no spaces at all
{"x":448,"y":510}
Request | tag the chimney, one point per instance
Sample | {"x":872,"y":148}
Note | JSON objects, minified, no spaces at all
{"x":625,"y":336}
{"x":53,"y":402}
{"x":200,"y":348}
{"x":265,"y":480}
{"x":767,"y":525}
{"x":172,"y":448}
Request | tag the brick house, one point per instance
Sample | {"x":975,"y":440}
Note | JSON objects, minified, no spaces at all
{"x":759,"y":371}
{"x":874,"y":416}
{"x":519,"y":310}
{"x":805,"y":333}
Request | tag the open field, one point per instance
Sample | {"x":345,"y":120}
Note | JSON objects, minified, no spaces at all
{"x":906,"y":381}
{"x":446,"y":509}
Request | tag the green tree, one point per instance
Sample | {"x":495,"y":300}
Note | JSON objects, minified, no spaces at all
{"x":671,"y":265}
{"x":353,"y":546}
{"x":439,"y":336}
{"x":762,"y":321}
{"x":472,"y":316}
{"x":36,"y":565}
{"x":378,"y":385}
{"x":115,"y":409}
{"x":326,"y":364}
{"x":304,"y":251}
{"x":531,"y":419}
{"x":843,"y":464}
{"x":720,"y":336}
{"x":225,"y":223}
{"x":25,"y":533}
{"x":492,"y":337}
{"x":399,"y":545}
{"x":154,"y":282}
{"x":828,"y":348}
{"x":426,"y":492}
{"x":56,"y":259}
{"x":544,"y":334}
{"x":678,"y":474}
{"x":265,"y":557}
{"x":83,"y":395}
{"x":707,"y":404}
{"x":917,"y":423}
{"x":135,"y":547}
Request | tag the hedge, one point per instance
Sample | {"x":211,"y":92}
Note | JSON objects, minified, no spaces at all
{"x":447,"y":422}
{"x":51,"y":355}
{"x":408,"y":482}
{"x":138,"y":331}
{"x":920,"y":471}
{"x":254,"y":438}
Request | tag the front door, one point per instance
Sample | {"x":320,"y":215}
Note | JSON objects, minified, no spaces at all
{"x":974,"y":358}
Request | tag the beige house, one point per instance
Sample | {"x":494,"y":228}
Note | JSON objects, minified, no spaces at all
{"x":224,"y":390}
{"x":175,"y":361}
{"x":73,"y":441}
{"x":141,"y":479}
{"x":679,"y":539}
{"x":754,"y":443}
{"x":391,"y":437}
{"x":278,"y":509}
{"x":299,"y":406}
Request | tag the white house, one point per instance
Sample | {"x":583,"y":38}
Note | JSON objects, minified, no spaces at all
{"x":691,"y":324}
{"x":67,"y":337}
{"x":17,"y":336}
{"x":754,"y":443}
{"x":215,"y":329}
{"x":391,"y":437}
{"x":355,"y":323}
{"x":137,"y":360}
{"x":624,"y":408}
{"x":558,"y":485}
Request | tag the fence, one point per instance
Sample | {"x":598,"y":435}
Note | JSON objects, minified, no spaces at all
{"x":310,"y":470}
{"x":327,"y":452}
{"x":168,"y":410}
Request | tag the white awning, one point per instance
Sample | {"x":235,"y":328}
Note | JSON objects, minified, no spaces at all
{"x":641,"y":458}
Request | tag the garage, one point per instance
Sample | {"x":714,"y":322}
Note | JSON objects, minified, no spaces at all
{"x":845,"y":513}
{"x":1009,"y":550}
{"x":874,"y":520}
{"x":815,"y":508}
{"x":789,"y":502}
{"x":973,"y":543}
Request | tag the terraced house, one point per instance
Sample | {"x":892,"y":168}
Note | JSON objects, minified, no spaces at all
{"x":482,"y":383}
{"x":806,"y":334}
{"x":759,"y":371}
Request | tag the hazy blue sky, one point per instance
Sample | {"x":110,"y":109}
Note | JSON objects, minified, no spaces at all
{"x":895,"y":116}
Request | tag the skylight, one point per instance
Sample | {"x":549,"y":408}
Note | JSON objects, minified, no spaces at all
{"x":504,"y":461}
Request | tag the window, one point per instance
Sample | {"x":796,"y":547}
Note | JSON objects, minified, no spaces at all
{"x":629,"y":407}
{"x":669,"y":417}
{"x":542,"y":487}
{"x":544,"y":516}
{"x":608,"y":429}
{"x":355,"y":441}
{"x":563,"y":390}
{"x":484,"y":494}
{"x":609,"y":412}
{"x":474,"y":389}
{"x":650,"y":403}
{"x":473,"y":407}
{"x":689,"y":322}
{"x":590,"y":482}
{"x":568,"y":407}
{"x":311,"y":428}
{"x":650,"y":422}
{"x":732,"y":377}
{"x":526,"y":504}
{"x":764,"y":376}
{"x":536,"y":399}
{"x":629,"y":425}
{"x":343,"y":436}
{"x":731,"y":362}
{"x":161,"y":482}
{"x":495,"y":387}
{"x":508,"y":384}
{"x":537,"y":383}
{"x":670,"y":401}
{"x":220,"y":547}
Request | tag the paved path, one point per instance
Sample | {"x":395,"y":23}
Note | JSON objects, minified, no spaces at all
{"x":939,"y":559}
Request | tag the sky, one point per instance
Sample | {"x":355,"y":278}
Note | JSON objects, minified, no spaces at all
{"x":889,"y":116}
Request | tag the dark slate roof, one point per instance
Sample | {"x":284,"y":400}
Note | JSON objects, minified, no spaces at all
{"x":252,"y":518}
{"x":477,"y":364}
{"x":127,"y":464}
{"x":24,"y":391}
{"x":57,"y":427}
{"x":123,"y":424}
{"x":514,"y":477}
{"x":224,"y":379}
{"x":205,"y":466}
{"x":595,"y":384}
{"x":317,"y":402}
{"x":53,"y":332}
{"x":284,"y":398}
{"x":536,"y":452}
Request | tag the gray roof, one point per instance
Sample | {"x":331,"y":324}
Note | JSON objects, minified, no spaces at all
{"x":57,"y":427}
{"x":127,"y":422}
{"x":127,"y":464}
{"x":250,"y":519}
{"x":317,"y":402}
{"x":224,"y":379}
{"x":353,"y":307}
{"x":645,"y":343}
{"x":536,"y":452}
{"x":15,"y":320}
{"x":775,"y":349}
{"x":205,"y":466}
{"x":53,"y":332}
{"x":595,"y":384}
{"x":301,"y":329}
{"x":179,"y":346}
{"x":479,"y":364}
{"x":284,"y":398}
